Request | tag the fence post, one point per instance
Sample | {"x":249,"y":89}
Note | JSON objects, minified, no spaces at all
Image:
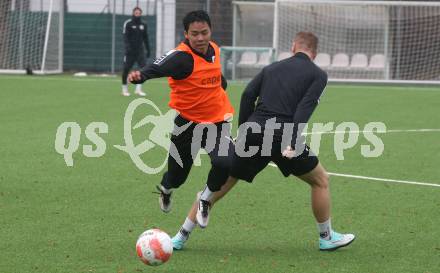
{"x":113,"y":37}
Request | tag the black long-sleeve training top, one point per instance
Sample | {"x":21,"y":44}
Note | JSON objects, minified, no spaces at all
{"x":288,"y":90}
{"x":176,"y":64}
{"x":135,"y":34}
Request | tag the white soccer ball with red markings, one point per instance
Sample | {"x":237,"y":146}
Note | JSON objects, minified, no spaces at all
{"x":154,"y":247}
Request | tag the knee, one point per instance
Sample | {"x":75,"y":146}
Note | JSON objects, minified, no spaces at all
{"x":322,"y":180}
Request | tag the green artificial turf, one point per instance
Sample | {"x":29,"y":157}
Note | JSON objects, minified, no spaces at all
{"x":86,"y":218}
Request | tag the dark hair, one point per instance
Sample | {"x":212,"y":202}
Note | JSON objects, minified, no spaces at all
{"x":196,"y":16}
{"x":137,"y":8}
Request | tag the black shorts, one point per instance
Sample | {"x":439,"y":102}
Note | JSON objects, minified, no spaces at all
{"x":246,"y":168}
{"x":187,"y":144}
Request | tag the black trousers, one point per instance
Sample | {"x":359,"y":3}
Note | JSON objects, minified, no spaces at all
{"x":129,"y":60}
{"x":217,"y":144}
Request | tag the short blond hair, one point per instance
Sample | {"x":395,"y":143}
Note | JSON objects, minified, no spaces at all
{"x":306,"y":40}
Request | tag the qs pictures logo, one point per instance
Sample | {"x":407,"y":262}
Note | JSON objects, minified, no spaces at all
{"x":67,"y":145}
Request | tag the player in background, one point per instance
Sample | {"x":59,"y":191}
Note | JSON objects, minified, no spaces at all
{"x":135,"y":38}
{"x":288,"y":91}
{"x":198,"y":93}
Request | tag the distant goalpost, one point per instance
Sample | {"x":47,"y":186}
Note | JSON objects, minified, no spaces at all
{"x":31,"y":36}
{"x":359,"y":41}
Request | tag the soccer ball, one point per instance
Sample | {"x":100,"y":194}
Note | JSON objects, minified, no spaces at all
{"x":154,"y":247}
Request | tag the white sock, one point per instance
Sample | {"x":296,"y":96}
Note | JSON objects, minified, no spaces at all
{"x":124,"y":88}
{"x":188,"y":225}
{"x":165,"y":190}
{"x":325,"y":229}
{"x":138,"y":87}
{"x":206,"y":194}
{"x":186,"y":229}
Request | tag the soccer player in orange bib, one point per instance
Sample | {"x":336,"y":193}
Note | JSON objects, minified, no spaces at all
{"x":198,"y":94}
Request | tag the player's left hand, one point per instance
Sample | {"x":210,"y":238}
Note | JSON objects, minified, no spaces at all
{"x":289,"y":152}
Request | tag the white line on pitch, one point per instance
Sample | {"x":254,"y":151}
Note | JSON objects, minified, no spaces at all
{"x":413,"y":130}
{"x":379,"y":179}
{"x":75,"y":79}
{"x":379,"y":132}
{"x":385,"y":180}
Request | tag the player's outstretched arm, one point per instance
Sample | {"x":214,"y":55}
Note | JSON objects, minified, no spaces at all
{"x":175,"y":64}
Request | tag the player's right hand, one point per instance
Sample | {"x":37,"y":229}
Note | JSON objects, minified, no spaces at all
{"x":289,"y":152}
{"x":134,"y":76}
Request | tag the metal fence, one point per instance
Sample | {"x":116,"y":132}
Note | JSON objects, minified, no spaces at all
{"x":90,"y":32}
{"x":93,"y":38}
{"x":93,"y":29}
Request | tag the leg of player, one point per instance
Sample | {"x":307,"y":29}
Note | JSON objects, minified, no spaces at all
{"x":139,"y":91}
{"x":124,"y":82}
{"x":190,"y":222}
{"x":141,"y":62}
{"x":173,"y":179}
{"x":176,"y":173}
{"x":218,"y":175}
{"x":128,"y":63}
{"x":329,"y":239}
{"x":216,"y":178}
